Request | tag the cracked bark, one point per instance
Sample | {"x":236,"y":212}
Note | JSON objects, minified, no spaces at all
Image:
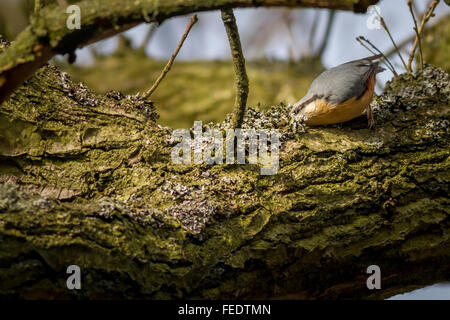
{"x":88,"y":180}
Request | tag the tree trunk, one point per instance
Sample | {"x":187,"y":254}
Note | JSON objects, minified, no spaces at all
{"x":88,"y":180}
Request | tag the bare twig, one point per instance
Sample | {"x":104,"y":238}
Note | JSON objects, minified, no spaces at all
{"x":330,"y":21}
{"x":385,"y":60}
{"x":148,"y":36}
{"x":167,"y":68}
{"x":428,"y":14}
{"x":95,"y":54}
{"x":312,"y":35}
{"x":239,"y":67}
{"x":410,"y":5}
{"x":405,"y":41}
{"x":385,"y":27}
{"x":288,"y":21}
{"x":359,"y":39}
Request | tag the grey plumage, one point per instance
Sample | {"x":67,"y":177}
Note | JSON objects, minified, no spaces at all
{"x":341,"y":83}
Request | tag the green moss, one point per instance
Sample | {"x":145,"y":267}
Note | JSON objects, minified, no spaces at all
{"x":156,"y":229}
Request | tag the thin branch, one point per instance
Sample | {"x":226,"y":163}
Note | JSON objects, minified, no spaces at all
{"x":410,"y":5}
{"x":167,"y":68}
{"x":148,"y":36}
{"x":95,"y":54}
{"x":405,"y":41}
{"x":385,"y":27}
{"x":312,"y":35}
{"x":323,"y":46}
{"x":362,"y":43}
{"x":414,"y":8}
{"x":385,"y":60}
{"x":239,"y":67}
{"x":428,"y":14}
{"x":288,"y":22}
{"x":262,"y":32}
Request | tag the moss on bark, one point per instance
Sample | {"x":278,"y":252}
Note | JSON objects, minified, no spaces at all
{"x":88,"y":180}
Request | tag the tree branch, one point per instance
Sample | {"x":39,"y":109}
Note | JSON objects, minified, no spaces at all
{"x":416,"y":30}
{"x":427,"y":15}
{"x":48,"y":34}
{"x":385,"y":27}
{"x":193,"y":20}
{"x":331,"y":17}
{"x":239,"y":67}
{"x":148,"y":36}
{"x":407,"y":40}
{"x":88,"y":180}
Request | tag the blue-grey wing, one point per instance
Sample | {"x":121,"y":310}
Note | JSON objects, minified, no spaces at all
{"x":341,"y":83}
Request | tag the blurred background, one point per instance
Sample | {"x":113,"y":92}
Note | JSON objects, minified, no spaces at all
{"x":285,"y":50}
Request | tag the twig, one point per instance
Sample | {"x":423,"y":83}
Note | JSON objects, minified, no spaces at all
{"x":405,"y":41}
{"x":410,"y":5}
{"x":148,"y":36}
{"x":288,"y":21}
{"x":428,"y":14}
{"x":383,"y":24}
{"x":362,"y":43}
{"x":401,"y":46}
{"x":323,"y":46}
{"x":239,"y":67}
{"x":386,"y":61}
{"x":167,"y":68}
{"x":312,"y":35}
{"x":414,"y":8}
{"x":94,"y":52}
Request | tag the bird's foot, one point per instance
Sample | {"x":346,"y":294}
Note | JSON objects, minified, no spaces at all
{"x":370,"y":118}
{"x":297,"y":126}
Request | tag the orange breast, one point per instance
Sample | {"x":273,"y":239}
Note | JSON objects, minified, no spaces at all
{"x":321,"y":113}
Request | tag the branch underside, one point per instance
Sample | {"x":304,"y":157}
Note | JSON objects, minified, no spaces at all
{"x":88,"y":180}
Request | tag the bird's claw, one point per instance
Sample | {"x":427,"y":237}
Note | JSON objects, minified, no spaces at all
{"x":370,"y":118}
{"x":298,"y":126}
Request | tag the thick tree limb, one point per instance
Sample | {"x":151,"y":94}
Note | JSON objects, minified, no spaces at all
{"x":345,"y":197}
{"x":48,"y":34}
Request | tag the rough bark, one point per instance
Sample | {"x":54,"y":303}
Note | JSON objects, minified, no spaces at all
{"x":48,"y":34}
{"x":88,"y":180}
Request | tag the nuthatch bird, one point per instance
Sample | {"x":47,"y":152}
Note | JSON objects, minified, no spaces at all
{"x":339,"y":94}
